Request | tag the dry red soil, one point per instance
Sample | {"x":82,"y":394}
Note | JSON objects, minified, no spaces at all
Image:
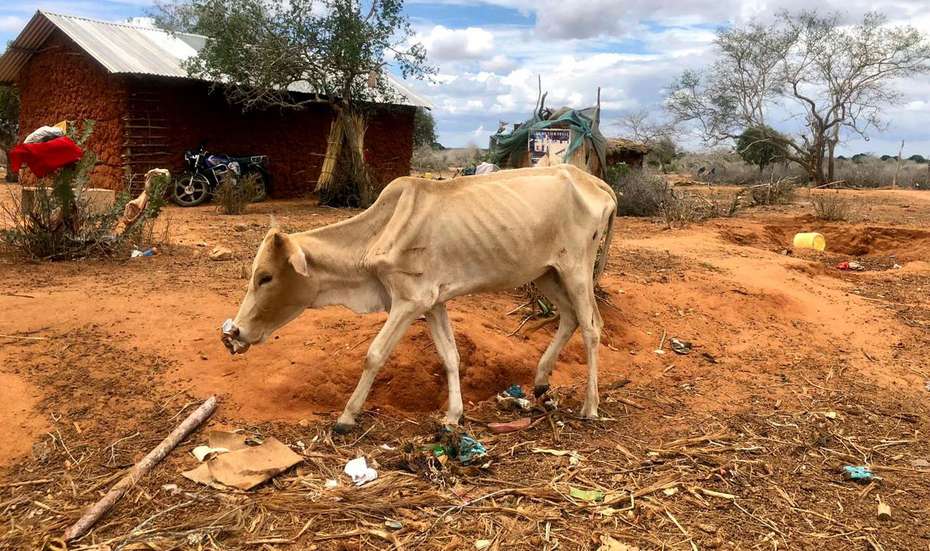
{"x":94,"y":350}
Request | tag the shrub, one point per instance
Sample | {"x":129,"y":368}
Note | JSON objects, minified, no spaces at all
{"x":233,"y":195}
{"x":779,"y":192}
{"x":831,"y":206}
{"x":640,"y":194}
{"x":60,"y":222}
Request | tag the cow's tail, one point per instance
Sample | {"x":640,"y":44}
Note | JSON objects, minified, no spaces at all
{"x":604,"y":252}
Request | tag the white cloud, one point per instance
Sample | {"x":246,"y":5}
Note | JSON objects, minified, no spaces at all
{"x":445,"y":44}
{"x":11,"y":23}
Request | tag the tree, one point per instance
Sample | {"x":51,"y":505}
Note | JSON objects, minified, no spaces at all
{"x":835,"y":78}
{"x":919,"y":159}
{"x":9,"y":122}
{"x":662,"y":152}
{"x":642,"y":127}
{"x":759,"y":146}
{"x":424,"y":128}
{"x":262,"y":51}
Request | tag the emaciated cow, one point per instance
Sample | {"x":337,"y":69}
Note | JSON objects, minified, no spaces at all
{"x":424,"y":242}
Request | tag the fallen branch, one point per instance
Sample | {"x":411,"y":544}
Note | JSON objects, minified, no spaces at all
{"x":93,"y":514}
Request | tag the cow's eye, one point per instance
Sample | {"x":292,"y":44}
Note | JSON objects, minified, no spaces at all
{"x":264,"y":279}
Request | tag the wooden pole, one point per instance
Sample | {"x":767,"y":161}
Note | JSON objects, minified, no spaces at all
{"x":897,"y":168}
{"x":93,"y":514}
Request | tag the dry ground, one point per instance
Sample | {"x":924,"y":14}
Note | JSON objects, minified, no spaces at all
{"x":797,"y":370}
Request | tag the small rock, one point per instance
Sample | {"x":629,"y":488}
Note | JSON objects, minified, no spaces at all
{"x":680,"y":347}
{"x":170,"y":488}
{"x":240,"y":227}
{"x":221,"y":253}
{"x":202,"y":244}
{"x":920,"y":463}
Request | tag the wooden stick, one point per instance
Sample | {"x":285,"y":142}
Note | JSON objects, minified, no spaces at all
{"x":93,"y":514}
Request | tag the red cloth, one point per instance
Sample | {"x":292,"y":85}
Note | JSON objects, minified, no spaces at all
{"x":46,"y":157}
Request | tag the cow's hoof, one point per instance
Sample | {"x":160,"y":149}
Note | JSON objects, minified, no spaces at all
{"x":539,"y":390}
{"x":589,"y":415}
{"x":343,"y":428}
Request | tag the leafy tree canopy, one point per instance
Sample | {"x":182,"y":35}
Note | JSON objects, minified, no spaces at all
{"x":760,"y":146}
{"x":424,"y":128}
{"x":263,"y":49}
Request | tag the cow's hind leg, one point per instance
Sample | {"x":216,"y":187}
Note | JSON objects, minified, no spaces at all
{"x":441,"y":330}
{"x":400,"y":318}
{"x":579,"y":286}
{"x":549,"y":285}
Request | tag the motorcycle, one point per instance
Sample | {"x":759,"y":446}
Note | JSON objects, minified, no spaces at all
{"x":205,"y":172}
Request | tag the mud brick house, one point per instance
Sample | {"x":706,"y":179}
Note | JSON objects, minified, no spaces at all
{"x":130,"y":80}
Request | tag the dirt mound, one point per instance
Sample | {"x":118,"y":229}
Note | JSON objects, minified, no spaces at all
{"x":858,"y":240}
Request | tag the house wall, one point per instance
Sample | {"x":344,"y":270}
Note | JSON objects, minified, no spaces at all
{"x":145,"y":122}
{"x":294,"y":140}
{"x":61,"y":82}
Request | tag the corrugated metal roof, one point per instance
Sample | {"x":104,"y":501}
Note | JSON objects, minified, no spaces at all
{"x":124,"y":48}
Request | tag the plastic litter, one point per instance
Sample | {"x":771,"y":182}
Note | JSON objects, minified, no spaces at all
{"x":359,"y":471}
{"x":136,"y":253}
{"x":203,"y":451}
{"x":850,"y":265}
{"x":482,"y":544}
{"x":590,"y":496}
{"x":486,"y":168}
{"x":470,"y":450}
{"x":858,"y":473}
{"x":514,"y":398}
{"x":44,"y":134}
{"x":512,"y":426}
{"x":393,"y":524}
{"x":679,"y":346}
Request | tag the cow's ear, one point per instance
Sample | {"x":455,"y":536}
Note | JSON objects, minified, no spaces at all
{"x":298,"y":261}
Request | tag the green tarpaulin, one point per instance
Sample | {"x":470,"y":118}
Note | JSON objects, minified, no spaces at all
{"x":509,"y":150}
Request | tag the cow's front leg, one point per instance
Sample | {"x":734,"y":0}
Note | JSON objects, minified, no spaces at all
{"x":441,"y":330}
{"x":400,"y":318}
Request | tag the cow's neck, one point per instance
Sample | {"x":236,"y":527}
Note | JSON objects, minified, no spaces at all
{"x":335,"y":254}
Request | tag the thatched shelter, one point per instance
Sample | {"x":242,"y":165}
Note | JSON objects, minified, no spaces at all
{"x":621,"y":150}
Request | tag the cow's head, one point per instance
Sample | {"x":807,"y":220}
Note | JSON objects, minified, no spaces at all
{"x":279,"y":289}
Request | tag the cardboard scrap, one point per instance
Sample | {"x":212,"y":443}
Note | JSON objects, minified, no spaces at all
{"x":244,"y":466}
{"x":610,"y":544}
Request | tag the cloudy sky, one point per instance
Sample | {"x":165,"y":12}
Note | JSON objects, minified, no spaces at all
{"x":489,"y":53}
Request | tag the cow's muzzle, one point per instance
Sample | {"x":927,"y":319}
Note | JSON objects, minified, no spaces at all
{"x":231,"y":340}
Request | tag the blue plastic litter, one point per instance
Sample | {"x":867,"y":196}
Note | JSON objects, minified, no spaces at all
{"x":515,"y":391}
{"x":470,"y":450}
{"x":857,"y":473}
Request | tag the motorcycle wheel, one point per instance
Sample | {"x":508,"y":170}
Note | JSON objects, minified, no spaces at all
{"x":190,"y":190}
{"x":261,"y":188}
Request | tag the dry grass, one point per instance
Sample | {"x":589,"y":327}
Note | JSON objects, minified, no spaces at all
{"x":234,"y":194}
{"x":747,"y":478}
{"x":831,"y":206}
